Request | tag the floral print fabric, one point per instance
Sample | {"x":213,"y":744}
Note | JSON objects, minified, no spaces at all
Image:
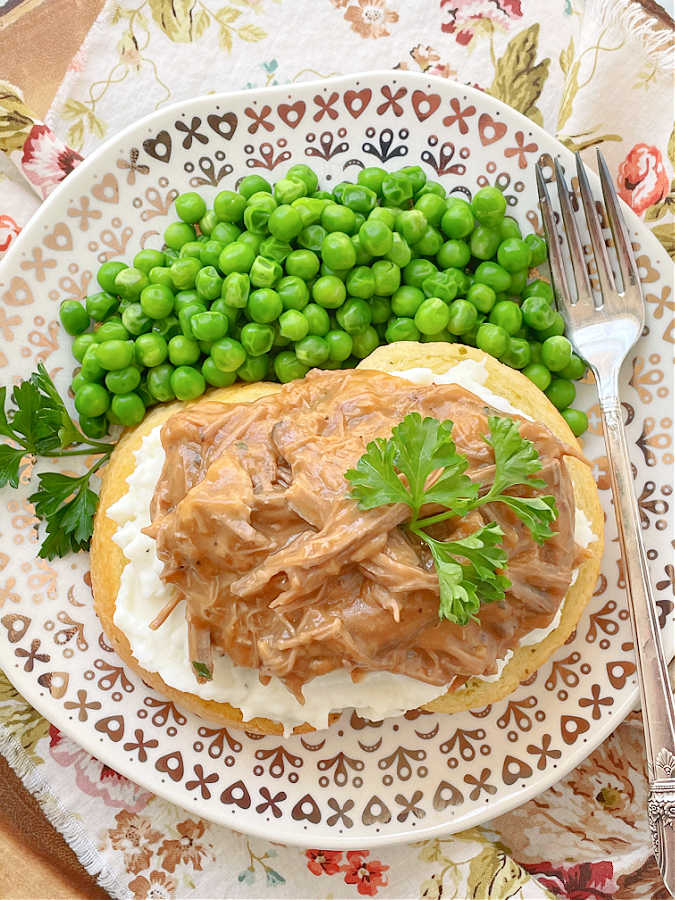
{"x":559,"y":63}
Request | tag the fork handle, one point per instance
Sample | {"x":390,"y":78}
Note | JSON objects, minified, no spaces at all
{"x":657,"y":699}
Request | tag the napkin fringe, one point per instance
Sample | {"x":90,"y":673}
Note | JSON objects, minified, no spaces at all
{"x":63,"y":821}
{"x":637,"y":21}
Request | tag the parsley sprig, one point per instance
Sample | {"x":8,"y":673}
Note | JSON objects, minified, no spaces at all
{"x":400,"y":470}
{"x":38,"y":425}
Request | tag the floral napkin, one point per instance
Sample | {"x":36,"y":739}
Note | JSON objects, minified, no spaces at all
{"x":594,"y":73}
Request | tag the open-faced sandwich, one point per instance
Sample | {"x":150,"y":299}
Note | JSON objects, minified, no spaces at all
{"x":422,"y":531}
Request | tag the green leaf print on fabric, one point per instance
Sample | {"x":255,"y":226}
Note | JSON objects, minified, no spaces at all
{"x":20,"y":719}
{"x":519,"y":79}
{"x":494,"y":876}
{"x":666,"y":234}
{"x":181,"y":20}
{"x":15,"y":118}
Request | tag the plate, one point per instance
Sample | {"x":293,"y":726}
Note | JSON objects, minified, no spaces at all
{"x":359,"y":783}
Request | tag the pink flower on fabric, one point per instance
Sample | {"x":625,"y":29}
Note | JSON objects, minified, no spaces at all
{"x":46,"y":160}
{"x":8,"y":231}
{"x":468,"y":18}
{"x":584,"y":881}
{"x":94,"y":778}
{"x":642,"y":179}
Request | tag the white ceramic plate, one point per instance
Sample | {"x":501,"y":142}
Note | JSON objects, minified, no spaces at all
{"x":359,"y":783}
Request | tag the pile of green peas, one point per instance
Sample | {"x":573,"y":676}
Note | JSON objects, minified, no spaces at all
{"x":274,"y":280}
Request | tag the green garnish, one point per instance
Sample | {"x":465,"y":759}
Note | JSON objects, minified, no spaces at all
{"x":39,"y":426}
{"x":202,"y":670}
{"x":468,"y":569}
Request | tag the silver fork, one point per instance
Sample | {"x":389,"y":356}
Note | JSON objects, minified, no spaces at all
{"x":602,"y":330}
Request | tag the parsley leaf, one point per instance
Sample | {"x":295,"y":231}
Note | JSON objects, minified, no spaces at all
{"x":202,"y":670}
{"x":40,"y":424}
{"x":419,"y":465}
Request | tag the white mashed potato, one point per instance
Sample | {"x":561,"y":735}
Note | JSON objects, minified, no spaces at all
{"x":142,"y":595}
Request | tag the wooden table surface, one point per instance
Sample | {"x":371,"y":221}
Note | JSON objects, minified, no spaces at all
{"x":38,"y":39}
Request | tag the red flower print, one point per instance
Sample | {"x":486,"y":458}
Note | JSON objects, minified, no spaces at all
{"x":46,"y":160}
{"x":469,"y":18}
{"x":8,"y":231}
{"x":367,"y":876}
{"x":323,"y":861}
{"x":642,"y":179}
{"x":585,"y":881}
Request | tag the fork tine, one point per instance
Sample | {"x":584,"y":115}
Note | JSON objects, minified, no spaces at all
{"x":554,"y":253}
{"x":624,"y":251}
{"x":584,"y":291}
{"x":605,"y":274}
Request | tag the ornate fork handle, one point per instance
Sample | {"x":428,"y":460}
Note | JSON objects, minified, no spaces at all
{"x":657,"y":698}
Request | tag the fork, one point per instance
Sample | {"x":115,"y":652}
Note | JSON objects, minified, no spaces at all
{"x":602,"y":330}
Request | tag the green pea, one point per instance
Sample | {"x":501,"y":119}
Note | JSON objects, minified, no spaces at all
{"x":122,"y":381}
{"x":540,"y":288}
{"x":554,"y":330}
{"x":576,"y":419}
{"x":209,"y":253}
{"x":183,"y":351}
{"x":481,"y":296}
{"x":509,"y":228}
{"x":537,"y":312}
{"x":113,"y":355}
{"x":150,"y":350}
{"x":535,"y":350}
{"x":432,"y":187}
{"x":538,"y":374}
{"x":293,"y":292}
{"x":147,"y":259}
{"x":417,"y":271}
{"x":507,"y":315}
{"x":337,"y":250}
{"x":156,"y":301}
{"x":575,"y":369}
{"x":74,"y":317}
{"x":100,"y":306}
{"x":484,"y":242}
{"x":209,"y":326}
{"x":431,"y":241}
{"x":91,"y":369}
{"x":561,"y":392}
{"x":386,"y":215}
{"x":183,"y":273}
{"x":190,"y":207}
{"x":286,"y":190}
{"x":215,"y":376}
{"x":293,"y":325}
{"x":257,"y":339}
{"x":312,"y":350}
{"x":443,"y":284}
{"x":254,"y":369}
{"x":432,"y":207}
{"x":288,"y":367}
{"x":193,"y":250}
{"x":513,"y":254}
{"x":380,"y":309}
{"x":416,"y":176}
{"x":159,"y":382}
{"x":453,"y":253}
{"x":273,"y":248}
{"x":311,"y":237}
{"x":227,"y":233}
{"x":135,"y":320}
{"x":257,"y":215}
{"x":354,"y":316}
{"x":401,"y":328}
{"x":400,"y":253}
{"x":361,"y":282}
{"x":357,"y":197}
{"x":302,"y":263}
{"x":517,"y":353}
{"x":372,"y":178}
{"x":235,"y":290}
{"x":94,"y":426}
{"x":285,"y":222}
{"x":264,"y":306}
{"x":339,"y":345}
{"x":443,"y":337}
{"x":265,"y":272}
{"x":457,"y":220}
{"x":462,"y":317}
{"x":387,"y":277}
{"x":396,"y":189}
{"x":375,"y":237}
{"x":492,"y":274}
{"x":92,"y":400}
{"x":411,"y":224}
{"x":488,"y":206}
{"x":556,"y":353}
{"x":317,"y":319}
{"x":406,"y":300}
{"x":228,"y":354}
{"x":160,"y":275}
{"x":187,"y":383}
{"x":362,"y":255}
{"x":305,"y":174}
{"x":518,"y":282}
{"x":253,"y":184}
{"x":208,"y":283}
{"x":208,"y":222}
{"x":177,"y":234}
{"x":335,"y":217}
{"x":229,"y":206}
{"x":81,"y":344}
{"x":111,"y":330}
{"x":538,"y":249}
{"x":329,"y":291}
{"x":365,"y":342}
{"x":432,"y":316}
{"x":492,"y":339}
{"x":108,"y":272}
